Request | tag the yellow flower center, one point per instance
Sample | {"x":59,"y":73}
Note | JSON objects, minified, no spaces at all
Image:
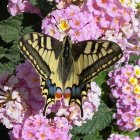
{"x":125,"y":2}
{"x":137,"y":71}
{"x":122,"y":1}
{"x":64,"y":25}
{"x":137,"y":89}
{"x":133,"y":80}
{"x":137,"y":121}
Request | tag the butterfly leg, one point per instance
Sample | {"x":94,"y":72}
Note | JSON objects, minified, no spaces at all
{"x":50,"y":94}
{"x":78,"y":94}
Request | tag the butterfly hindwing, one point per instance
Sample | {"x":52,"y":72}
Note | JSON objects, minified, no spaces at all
{"x":93,"y":56}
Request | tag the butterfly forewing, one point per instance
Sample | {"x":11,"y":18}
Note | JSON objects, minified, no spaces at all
{"x":93,"y":56}
{"x":43,"y":52}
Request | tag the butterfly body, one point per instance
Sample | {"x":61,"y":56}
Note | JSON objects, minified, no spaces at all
{"x":65,"y":67}
{"x":65,"y":61}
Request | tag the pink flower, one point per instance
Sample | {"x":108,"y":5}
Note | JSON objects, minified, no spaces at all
{"x":88,"y":109}
{"x":137,"y":138}
{"x":112,"y":10}
{"x":29,"y":134}
{"x":39,"y":121}
{"x":39,"y":127}
{"x":118,"y":137}
{"x":16,"y":131}
{"x":93,"y":7}
{"x":102,"y":3}
{"x":33,"y":80}
{"x":77,"y":21}
{"x":42,"y":135}
{"x":127,"y":88}
{"x":104,"y":23}
{"x":16,"y":7}
{"x":72,"y":10}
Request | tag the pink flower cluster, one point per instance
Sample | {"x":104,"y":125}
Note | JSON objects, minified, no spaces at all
{"x":37,"y":127}
{"x":121,"y":137}
{"x":71,"y":21}
{"x":89,"y":22}
{"x":125,"y":88}
{"x":16,"y":7}
{"x":19,"y":95}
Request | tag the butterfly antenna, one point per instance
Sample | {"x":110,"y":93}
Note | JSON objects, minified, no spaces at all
{"x":80,"y":28}
{"x":55,"y":21}
{"x":57,"y":26}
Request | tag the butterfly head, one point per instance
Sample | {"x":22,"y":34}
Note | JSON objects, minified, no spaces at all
{"x":67,"y":44}
{"x":67,"y":38}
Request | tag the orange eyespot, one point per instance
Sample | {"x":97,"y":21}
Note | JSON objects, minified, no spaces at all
{"x":58,"y":95}
{"x":67,"y":95}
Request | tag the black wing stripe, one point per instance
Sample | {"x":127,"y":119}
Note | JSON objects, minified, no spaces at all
{"x":37,"y":60}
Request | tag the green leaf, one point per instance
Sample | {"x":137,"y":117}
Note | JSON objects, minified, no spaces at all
{"x":101,"y":78}
{"x":46,"y":7}
{"x":26,"y":30}
{"x":2,"y":52}
{"x":134,"y":58}
{"x":138,"y":5}
{"x":95,"y":136}
{"x":9,"y":58}
{"x":76,"y":137}
{"x":10,"y":28}
{"x":33,"y":2}
{"x":100,"y":120}
{"x":9,"y":67}
{"x":13,"y":54}
{"x":101,"y":82}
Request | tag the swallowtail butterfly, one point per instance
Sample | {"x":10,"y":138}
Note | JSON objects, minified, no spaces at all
{"x":66,"y":68}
